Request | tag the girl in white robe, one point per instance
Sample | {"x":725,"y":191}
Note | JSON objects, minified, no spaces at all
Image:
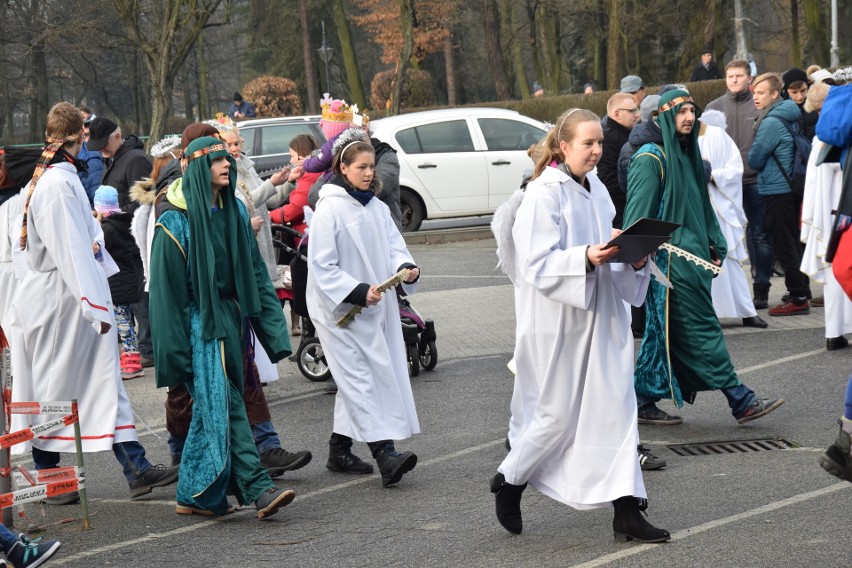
{"x":355,"y":246}
{"x":574,"y":403}
{"x":730,"y":290}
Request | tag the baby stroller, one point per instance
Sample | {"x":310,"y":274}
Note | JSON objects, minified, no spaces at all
{"x":419,"y":336}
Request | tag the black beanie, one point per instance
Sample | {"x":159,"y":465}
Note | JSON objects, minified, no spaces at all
{"x":238,"y":97}
{"x":793,"y":75}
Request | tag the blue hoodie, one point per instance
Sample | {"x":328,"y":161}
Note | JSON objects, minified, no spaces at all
{"x":772,"y":137}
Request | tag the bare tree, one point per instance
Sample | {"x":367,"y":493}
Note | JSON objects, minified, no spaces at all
{"x":308,"y":53}
{"x":408,"y":21}
{"x":350,"y":60}
{"x":491,"y":24}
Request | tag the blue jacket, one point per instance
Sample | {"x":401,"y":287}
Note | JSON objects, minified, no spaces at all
{"x":247,"y":109}
{"x":91,"y":178}
{"x":772,"y":136}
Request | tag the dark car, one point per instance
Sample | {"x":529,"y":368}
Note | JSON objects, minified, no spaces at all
{"x":267,"y":140}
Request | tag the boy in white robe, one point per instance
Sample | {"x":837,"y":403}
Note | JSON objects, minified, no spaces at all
{"x":573,"y":408}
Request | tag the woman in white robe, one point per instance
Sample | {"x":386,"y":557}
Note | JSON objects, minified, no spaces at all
{"x":355,"y":246}
{"x":822,"y":195}
{"x":573,"y":406}
{"x":730,"y":289}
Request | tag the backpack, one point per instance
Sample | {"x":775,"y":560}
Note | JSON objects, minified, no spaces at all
{"x":801,"y":153}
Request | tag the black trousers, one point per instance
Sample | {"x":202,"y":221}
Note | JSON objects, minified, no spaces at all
{"x":782,"y":224}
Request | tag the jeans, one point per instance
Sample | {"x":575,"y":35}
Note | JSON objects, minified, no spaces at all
{"x":140,"y":312}
{"x":739,"y":399}
{"x":131,"y":456}
{"x":782,"y":221}
{"x":7,"y":539}
{"x":265,"y":436}
{"x":757,"y":239}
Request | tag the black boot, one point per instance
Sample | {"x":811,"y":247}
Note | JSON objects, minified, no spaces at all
{"x":392,"y":464}
{"x":341,"y":458}
{"x":629,"y":524}
{"x":507,"y":499}
{"x":761,"y":296}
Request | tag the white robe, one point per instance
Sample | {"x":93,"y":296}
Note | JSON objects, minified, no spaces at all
{"x":574,"y":431}
{"x":822,"y":195}
{"x":8,"y":215}
{"x":57,"y":354}
{"x":352,"y":244}
{"x":730,"y":290}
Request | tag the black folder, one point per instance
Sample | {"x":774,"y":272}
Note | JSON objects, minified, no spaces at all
{"x":641,"y":239}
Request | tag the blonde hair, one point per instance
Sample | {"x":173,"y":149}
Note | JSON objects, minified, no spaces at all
{"x":816,"y":96}
{"x":564,"y":131}
{"x":64,"y":123}
{"x":774,"y":80}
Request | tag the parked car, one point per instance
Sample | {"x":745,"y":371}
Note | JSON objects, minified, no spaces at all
{"x":267,"y":140}
{"x":458,"y":162}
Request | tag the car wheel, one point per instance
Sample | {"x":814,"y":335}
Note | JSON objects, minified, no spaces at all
{"x":412,"y":210}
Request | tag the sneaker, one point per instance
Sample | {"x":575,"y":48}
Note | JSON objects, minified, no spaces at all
{"x":649,"y":461}
{"x":760,"y":407}
{"x":131,"y":366}
{"x":792,"y":307}
{"x":273,"y":499}
{"x":278,"y":460}
{"x":155,"y":476}
{"x":28,"y":553}
{"x":835,"y":343}
{"x":63,"y":499}
{"x":837,"y":459}
{"x":654,"y":415}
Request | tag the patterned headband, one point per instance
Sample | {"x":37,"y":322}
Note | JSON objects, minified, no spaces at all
{"x":676,"y":101}
{"x":202,"y":152}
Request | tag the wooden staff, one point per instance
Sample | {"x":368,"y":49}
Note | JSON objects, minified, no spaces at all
{"x":400,"y":276}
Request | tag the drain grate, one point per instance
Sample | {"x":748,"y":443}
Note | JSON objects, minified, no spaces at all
{"x":732,"y":447}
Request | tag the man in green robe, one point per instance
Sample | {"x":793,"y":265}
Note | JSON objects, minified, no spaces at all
{"x":683,"y":349}
{"x":208,"y":282}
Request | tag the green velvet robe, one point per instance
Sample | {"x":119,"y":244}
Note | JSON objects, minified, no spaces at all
{"x":683,"y":350}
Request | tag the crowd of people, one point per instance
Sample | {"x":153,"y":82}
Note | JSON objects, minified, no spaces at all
{"x":170,"y":257}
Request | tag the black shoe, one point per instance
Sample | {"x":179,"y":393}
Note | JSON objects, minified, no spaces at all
{"x":331,"y":387}
{"x":508,"y":444}
{"x":64,"y":499}
{"x":29,"y":554}
{"x":155,"y":476}
{"x":761,"y":303}
{"x":629,"y":524}
{"x":146,"y":361}
{"x":759,"y":408}
{"x":507,"y":499}
{"x":777,"y":270}
{"x":835,"y":343}
{"x":648,"y":461}
{"x":755,"y":321}
{"x":278,"y":460}
{"x":176,"y":459}
{"x":271,"y":500}
{"x":342,"y":460}
{"x":393,"y":465}
{"x":837,"y":460}
{"x":654,"y":415}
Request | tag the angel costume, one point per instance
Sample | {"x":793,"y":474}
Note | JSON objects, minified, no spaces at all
{"x":730,"y":289}
{"x":574,"y":433}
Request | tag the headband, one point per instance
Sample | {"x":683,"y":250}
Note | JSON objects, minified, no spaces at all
{"x":202,"y":152}
{"x":675,"y":102}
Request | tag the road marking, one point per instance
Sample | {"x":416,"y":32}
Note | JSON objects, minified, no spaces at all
{"x":710,"y":525}
{"x":780,"y":361}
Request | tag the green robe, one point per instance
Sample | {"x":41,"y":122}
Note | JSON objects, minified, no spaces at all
{"x":683,"y":350}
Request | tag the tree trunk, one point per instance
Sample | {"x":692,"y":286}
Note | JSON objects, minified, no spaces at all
{"x":517,"y":50}
{"x":614,"y":64}
{"x":817,"y":45}
{"x":533,"y":38}
{"x":795,"y":42}
{"x":495,"y":53}
{"x":203,"y":97}
{"x":548,"y":23}
{"x":507,"y":39}
{"x":308,"y":55}
{"x":350,"y":61}
{"x":450,"y":70}
{"x":408,"y":20}
{"x":38,"y":79}
{"x":187,"y":98}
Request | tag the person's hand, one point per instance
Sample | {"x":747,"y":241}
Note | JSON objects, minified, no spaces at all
{"x":614,"y":233}
{"x":640,"y":264}
{"x":256,"y":223}
{"x":105,"y":327}
{"x":280,"y":177}
{"x":373,"y":296}
{"x":598,"y":255}
{"x":413,"y":274}
{"x":715,"y":257}
{"x":96,"y":248}
{"x":296,"y":172}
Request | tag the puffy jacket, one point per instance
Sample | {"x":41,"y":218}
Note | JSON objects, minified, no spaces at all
{"x":126,"y":286}
{"x":91,"y":178}
{"x":129,"y":165}
{"x":772,"y":137}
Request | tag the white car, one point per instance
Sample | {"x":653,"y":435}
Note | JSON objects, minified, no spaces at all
{"x":458,"y":162}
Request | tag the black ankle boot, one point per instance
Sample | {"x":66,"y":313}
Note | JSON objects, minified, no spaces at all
{"x":392,"y":464}
{"x":630,"y":524}
{"x":761,"y":296}
{"x":508,"y":503}
{"x":341,"y":458}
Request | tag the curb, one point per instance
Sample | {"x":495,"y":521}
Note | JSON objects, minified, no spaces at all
{"x":448,"y":236}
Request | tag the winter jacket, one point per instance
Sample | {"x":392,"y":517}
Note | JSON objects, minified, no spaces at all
{"x":246,"y":109}
{"x":741,"y":115}
{"x":772,"y":137}
{"x":294,"y":211}
{"x":701,"y":73}
{"x":126,"y":286}
{"x":641,"y":134}
{"x":129,"y":165}
{"x":387,"y":170}
{"x":615,"y":137}
{"x":91,"y":176}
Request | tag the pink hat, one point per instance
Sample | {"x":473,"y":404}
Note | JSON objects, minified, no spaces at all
{"x":332,"y":128}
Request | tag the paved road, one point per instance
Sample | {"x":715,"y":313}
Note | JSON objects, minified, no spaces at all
{"x":756,"y":509}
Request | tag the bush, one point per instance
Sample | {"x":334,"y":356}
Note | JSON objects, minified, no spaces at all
{"x":418,"y":91}
{"x":273,"y":96}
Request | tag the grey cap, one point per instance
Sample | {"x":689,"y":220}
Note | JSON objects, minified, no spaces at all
{"x":631,"y":84}
{"x":648,"y":105}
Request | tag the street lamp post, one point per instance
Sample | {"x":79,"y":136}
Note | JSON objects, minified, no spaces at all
{"x":325,"y":53}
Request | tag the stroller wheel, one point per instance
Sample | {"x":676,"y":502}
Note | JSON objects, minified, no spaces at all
{"x":413,"y":359}
{"x":311,"y":360}
{"x":429,"y":356}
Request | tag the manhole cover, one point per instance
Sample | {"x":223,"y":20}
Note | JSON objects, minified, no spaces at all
{"x":731,"y":447}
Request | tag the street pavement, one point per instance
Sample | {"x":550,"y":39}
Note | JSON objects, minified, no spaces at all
{"x":768,"y":508}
